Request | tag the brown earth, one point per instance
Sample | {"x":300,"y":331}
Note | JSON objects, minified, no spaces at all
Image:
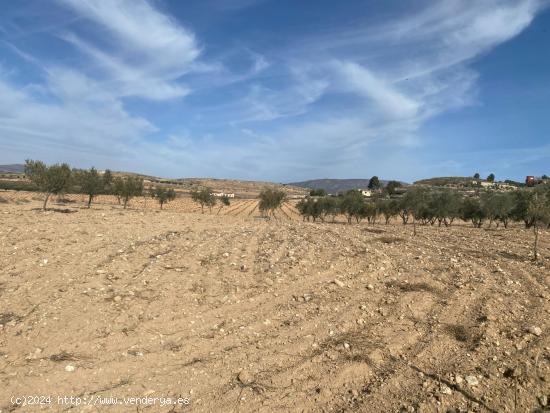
{"x":241,"y":314}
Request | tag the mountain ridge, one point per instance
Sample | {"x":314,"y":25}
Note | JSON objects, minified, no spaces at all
{"x":13,"y":168}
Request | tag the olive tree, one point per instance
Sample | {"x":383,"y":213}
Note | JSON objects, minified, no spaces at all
{"x":271,"y":200}
{"x":318,"y":192}
{"x":392,"y":186}
{"x":128,"y":188}
{"x":310,"y":208}
{"x":416,"y":200}
{"x":520,"y":210}
{"x":389,"y":208}
{"x":404,"y":209}
{"x":370,"y":211}
{"x":204,"y":197}
{"x":497,"y":207}
{"x":352,"y":205}
{"x":330,"y":206}
{"x":444,"y":206}
{"x":52,"y":180}
{"x":163,"y":195}
{"x":107,"y":181}
{"x":91,"y":183}
{"x":224,"y":201}
{"x":472,"y":210}
{"x":319,"y":208}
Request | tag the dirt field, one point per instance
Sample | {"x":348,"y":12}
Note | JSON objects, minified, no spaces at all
{"x":237,"y":313}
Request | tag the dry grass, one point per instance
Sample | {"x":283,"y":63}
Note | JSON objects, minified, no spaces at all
{"x":63,"y":356}
{"x":413,"y":287}
{"x":8,"y":317}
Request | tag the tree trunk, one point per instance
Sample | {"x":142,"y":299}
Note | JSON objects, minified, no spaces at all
{"x":414,"y":225}
{"x":125,"y":202}
{"x":90,"y":201}
{"x":46,"y":201}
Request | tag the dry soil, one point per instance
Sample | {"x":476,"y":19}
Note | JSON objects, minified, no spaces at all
{"x":240,"y":314}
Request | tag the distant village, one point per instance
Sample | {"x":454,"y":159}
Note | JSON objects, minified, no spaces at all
{"x":464,"y":185}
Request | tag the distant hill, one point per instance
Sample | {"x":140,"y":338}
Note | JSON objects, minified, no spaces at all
{"x":334,"y":186}
{"x":446,"y":180}
{"x":14,"y":168}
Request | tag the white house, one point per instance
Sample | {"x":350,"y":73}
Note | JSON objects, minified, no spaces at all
{"x":222,"y":194}
{"x":366,"y":192}
{"x":487,"y":184}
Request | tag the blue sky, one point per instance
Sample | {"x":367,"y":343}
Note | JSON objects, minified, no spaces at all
{"x":278,"y":90}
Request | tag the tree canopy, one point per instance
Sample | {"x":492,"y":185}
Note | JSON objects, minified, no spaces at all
{"x":163,"y":195}
{"x":271,"y":200}
{"x":204,"y":197}
{"x":128,"y":188}
{"x":91,"y":183}
{"x":374,"y":183}
{"x":52,"y":180}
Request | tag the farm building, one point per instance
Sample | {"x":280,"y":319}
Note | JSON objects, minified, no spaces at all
{"x":487,"y":184}
{"x":222,"y":194}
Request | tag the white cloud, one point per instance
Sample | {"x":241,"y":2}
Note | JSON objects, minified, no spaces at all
{"x":451,"y":33}
{"x":360,"y":80}
{"x":397,"y":76}
{"x":76,"y":120}
{"x":263,"y":103}
{"x":267,"y":104}
{"x":148,"y":52}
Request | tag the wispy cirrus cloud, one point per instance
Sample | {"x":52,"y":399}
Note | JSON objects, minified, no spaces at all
{"x":320,"y":103}
{"x":357,"y":79}
{"x":147,"y":51}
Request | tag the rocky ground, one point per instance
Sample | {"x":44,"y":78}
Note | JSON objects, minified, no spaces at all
{"x":240,"y":314}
